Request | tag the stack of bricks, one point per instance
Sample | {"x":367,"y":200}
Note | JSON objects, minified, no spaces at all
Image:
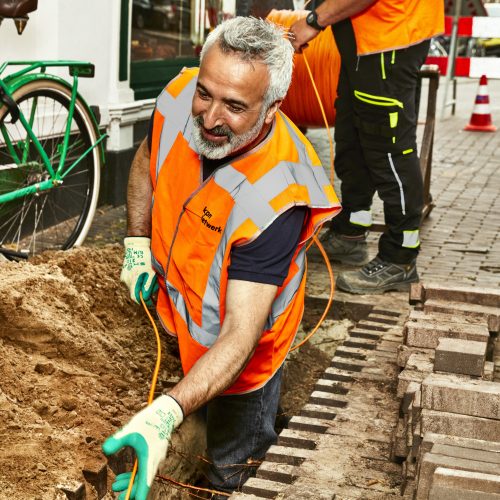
{"x":448,"y":432}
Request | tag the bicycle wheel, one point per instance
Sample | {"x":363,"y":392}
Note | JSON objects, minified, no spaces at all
{"x":60,"y":217}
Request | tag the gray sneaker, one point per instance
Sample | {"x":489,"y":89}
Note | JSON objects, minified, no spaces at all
{"x":352,"y":250}
{"x":378,"y":276}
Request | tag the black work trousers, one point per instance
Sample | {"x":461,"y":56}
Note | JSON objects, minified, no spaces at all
{"x":375,"y":143}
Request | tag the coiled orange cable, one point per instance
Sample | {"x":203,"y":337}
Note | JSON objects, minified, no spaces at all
{"x":301,"y":102}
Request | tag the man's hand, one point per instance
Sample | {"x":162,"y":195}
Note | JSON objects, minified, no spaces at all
{"x":149,"y":434}
{"x":137,"y":271}
{"x":301,"y":34}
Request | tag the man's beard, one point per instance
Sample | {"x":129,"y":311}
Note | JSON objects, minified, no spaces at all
{"x":214,"y":151}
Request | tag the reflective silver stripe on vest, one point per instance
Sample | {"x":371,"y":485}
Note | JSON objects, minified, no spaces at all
{"x":157,"y":266}
{"x":285,"y":174}
{"x":304,"y":159}
{"x":288,"y":293}
{"x":201,"y":335}
{"x":246,"y":194}
{"x":177,"y":113}
{"x":301,"y":148}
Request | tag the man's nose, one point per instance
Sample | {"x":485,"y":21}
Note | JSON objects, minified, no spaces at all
{"x":212,"y":117}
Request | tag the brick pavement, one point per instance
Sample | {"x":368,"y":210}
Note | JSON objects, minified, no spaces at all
{"x":461,"y":236}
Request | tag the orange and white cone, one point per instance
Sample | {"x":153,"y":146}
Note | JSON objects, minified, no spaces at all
{"x":480,"y":119}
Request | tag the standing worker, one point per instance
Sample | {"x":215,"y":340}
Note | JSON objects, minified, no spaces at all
{"x":221,"y":209}
{"x":383,"y":44}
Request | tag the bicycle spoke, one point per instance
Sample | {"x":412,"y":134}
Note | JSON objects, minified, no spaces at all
{"x":52,"y":218}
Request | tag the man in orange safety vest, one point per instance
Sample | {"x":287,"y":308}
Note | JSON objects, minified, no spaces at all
{"x":220,"y":206}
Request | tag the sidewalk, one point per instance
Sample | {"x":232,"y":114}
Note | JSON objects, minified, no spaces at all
{"x":461,"y":237}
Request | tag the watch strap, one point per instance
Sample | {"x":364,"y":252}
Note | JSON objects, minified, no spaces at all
{"x":312,"y":20}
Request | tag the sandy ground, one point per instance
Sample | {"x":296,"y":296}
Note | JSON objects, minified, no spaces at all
{"x":75,"y":361}
{"x":76,"y":357}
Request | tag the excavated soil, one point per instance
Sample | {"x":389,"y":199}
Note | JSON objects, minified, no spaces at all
{"x":76,"y":357}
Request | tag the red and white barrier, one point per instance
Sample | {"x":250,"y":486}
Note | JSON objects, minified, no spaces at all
{"x":474,"y":67}
{"x":476,"y":27}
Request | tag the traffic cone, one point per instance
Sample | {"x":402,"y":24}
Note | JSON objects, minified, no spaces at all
{"x":480,"y":119}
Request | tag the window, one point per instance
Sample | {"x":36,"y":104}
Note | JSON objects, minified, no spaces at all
{"x":168,"y":35}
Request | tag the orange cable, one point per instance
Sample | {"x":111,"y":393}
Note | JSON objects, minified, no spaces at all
{"x":330,"y":140}
{"x":152,"y":388}
{"x":314,"y":238}
{"x":330,"y":298}
{"x":300,"y":103}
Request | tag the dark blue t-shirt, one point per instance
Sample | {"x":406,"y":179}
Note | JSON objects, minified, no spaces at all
{"x":266,"y":259}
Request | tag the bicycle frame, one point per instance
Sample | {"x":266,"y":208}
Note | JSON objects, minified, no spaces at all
{"x":7,"y":88}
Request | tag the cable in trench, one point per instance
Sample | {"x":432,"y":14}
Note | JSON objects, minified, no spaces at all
{"x":152,"y":389}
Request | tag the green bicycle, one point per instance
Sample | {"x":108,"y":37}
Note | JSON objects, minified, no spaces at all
{"x":51,"y":152}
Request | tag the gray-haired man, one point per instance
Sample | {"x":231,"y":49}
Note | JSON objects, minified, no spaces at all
{"x":221,"y":205}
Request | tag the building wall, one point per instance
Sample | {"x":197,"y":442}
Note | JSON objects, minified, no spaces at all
{"x":89,"y":31}
{"x":72,"y":29}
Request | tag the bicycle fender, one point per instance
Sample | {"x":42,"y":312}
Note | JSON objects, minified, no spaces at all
{"x":16,"y":83}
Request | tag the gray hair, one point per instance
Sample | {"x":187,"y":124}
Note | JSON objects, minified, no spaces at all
{"x":257,"y":40}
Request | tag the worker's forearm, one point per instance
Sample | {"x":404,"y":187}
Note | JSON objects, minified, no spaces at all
{"x":213,"y":373}
{"x":333,"y":11}
{"x":139,"y":194}
{"x":247,"y":308}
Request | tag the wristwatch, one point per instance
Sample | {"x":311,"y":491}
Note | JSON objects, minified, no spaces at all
{"x":312,"y":20}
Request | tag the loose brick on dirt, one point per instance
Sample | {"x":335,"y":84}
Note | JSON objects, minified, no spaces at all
{"x":446,"y":317}
{"x":427,"y":334}
{"x":455,"y":293}
{"x":452,"y":484}
{"x":460,"y":356}
{"x":406,"y":377}
{"x":490,"y":314}
{"x":453,"y":394}
{"x":430,"y":439}
{"x":421,"y":362}
{"x":467,"y":453}
{"x":404,"y":352}
{"x":431,"y":461}
{"x":454,"y":424}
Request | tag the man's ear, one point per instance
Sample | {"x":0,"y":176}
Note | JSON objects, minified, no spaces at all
{"x":271,"y":112}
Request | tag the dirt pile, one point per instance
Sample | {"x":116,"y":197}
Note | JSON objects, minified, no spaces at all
{"x":76,"y":356}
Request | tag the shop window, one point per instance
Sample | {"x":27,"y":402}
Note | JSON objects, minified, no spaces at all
{"x":161,"y":29}
{"x":168,"y":35}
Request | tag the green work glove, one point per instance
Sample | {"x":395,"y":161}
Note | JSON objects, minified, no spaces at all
{"x":137,"y":271}
{"x":149,"y":434}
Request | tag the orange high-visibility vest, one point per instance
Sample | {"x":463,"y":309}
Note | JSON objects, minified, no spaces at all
{"x":396,"y":24}
{"x":195,"y":224}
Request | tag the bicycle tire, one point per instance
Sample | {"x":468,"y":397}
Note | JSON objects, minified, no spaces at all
{"x":41,"y":225}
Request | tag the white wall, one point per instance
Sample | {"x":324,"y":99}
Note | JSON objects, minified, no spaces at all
{"x":87,"y":30}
